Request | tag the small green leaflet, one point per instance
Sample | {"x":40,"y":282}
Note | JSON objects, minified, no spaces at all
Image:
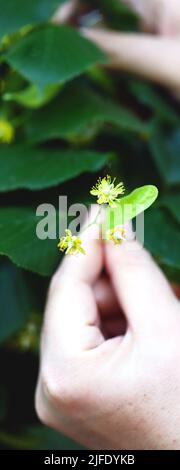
{"x":131,"y":206}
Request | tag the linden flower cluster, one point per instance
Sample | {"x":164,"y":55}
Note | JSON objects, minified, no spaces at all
{"x":6,"y":132}
{"x":107,"y":193}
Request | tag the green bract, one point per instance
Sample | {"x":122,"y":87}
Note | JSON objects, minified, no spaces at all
{"x":130,"y":206}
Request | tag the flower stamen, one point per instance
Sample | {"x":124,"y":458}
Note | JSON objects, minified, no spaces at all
{"x":70,"y":244}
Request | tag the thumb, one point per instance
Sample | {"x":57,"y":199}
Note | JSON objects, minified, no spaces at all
{"x":141,"y":288}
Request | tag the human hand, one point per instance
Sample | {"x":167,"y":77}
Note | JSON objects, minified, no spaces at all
{"x":152,"y":57}
{"x":107,"y":382}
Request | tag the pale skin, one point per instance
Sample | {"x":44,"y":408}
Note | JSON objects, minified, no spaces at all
{"x":103,"y":383}
{"x":153,"y":55}
{"x":158,"y":16}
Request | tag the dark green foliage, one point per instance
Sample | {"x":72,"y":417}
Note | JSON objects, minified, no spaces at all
{"x":39,"y":168}
{"x":16,"y":301}
{"x":118,"y":15}
{"x":36,"y":57}
{"x":16,"y":14}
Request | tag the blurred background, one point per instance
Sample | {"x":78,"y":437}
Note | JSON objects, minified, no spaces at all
{"x":65,"y":119}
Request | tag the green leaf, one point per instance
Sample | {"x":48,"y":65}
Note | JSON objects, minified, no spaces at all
{"x":148,"y":96}
{"x":32,"y":96}
{"x":162,"y":239}
{"x":16,"y":300}
{"x":172,"y":203}
{"x":53,"y":54}
{"x":37,"y":168}
{"x":165,"y":151}
{"x":130,"y":206}
{"x":17,"y":13}
{"x":77,"y":108}
{"x":18,"y":241}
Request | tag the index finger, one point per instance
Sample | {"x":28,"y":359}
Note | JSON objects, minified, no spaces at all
{"x":71,"y":317}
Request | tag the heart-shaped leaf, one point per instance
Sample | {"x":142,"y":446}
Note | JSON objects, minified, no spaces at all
{"x":37,"y":168}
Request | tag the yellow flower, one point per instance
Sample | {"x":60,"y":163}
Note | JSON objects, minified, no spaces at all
{"x":70,"y":244}
{"x":117,"y":235}
{"x":6,"y":132}
{"x":106,"y":191}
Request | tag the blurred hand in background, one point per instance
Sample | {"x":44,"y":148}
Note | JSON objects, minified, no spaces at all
{"x":152,"y":56}
{"x":158,"y":16}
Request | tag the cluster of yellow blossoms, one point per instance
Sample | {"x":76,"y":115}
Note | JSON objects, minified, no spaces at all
{"x":107,"y":193}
